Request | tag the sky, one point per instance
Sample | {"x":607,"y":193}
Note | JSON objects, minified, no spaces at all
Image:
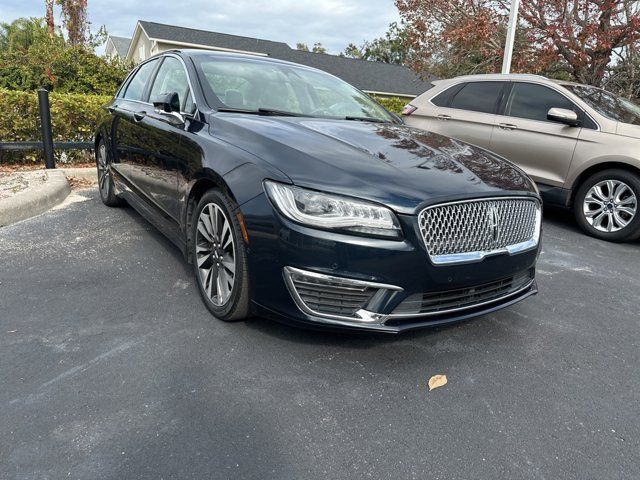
{"x":334,"y":23}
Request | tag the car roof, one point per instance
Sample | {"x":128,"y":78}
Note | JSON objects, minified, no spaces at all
{"x":513,"y":76}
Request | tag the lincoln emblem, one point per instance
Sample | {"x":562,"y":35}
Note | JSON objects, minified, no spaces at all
{"x":494,"y":222}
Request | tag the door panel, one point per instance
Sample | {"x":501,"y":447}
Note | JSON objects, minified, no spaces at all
{"x":157,"y":149}
{"x":471,"y":127}
{"x":130,"y":149}
{"x":542,"y":148}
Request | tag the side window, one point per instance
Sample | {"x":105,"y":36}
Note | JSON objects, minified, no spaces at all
{"x":478,"y":97}
{"x":533,"y":101}
{"x":444,"y":98}
{"x":189,"y":105}
{"x":171,"y":77}
{"x":135,"y":89}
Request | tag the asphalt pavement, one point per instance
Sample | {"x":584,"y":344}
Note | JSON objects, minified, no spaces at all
{"x":112,"y":368}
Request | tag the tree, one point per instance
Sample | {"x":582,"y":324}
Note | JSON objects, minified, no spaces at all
{"x":453,"y":37}
{"x":32,"y":60}
{"x":391,"y":48}
{"x":49,"y":17}
{"x":317,"y":47}
{"x":584,"y":33}
{"x":20,"y":34}
{"x":74,"y":19}
{"x":574,"y":38}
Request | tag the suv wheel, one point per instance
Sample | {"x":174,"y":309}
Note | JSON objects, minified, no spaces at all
{"x":219,"y":257}
{"x":606,"y":205}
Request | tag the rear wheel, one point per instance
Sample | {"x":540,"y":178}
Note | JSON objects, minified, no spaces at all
{"x":606,"y":205}
{"x":105,"y":179}
{"x":219,"y":257}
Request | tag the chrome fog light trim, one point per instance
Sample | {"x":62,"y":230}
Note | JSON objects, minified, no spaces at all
{"x":338,"y":300}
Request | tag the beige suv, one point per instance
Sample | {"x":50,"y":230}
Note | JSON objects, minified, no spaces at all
{"x":581,"y":144}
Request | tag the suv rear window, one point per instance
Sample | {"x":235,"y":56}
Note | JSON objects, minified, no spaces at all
{"x":477,"y":97}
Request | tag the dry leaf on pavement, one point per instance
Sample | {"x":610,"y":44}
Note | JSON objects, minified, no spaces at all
{"x":437,"y":381}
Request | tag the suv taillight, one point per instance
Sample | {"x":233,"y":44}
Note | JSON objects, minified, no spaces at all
{"x":408,"y":109}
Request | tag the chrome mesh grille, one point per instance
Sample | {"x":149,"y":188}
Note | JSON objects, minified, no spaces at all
{"x":478,"y":225}
{"x":331,"y":296}
{"x":435,"y":302}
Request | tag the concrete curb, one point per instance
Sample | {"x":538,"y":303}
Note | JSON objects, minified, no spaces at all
{"x":35,"y":201}
{"x":90,"y":173}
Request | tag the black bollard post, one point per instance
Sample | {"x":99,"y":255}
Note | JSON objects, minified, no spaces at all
{"x":45,"y":127}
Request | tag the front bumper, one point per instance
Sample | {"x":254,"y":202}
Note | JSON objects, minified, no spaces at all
{"x":395,"y":271}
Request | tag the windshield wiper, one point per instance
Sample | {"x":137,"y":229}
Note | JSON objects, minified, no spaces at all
{"x":263,"y":111}
{"x":366,"y":119}
{"x":280,"y":113}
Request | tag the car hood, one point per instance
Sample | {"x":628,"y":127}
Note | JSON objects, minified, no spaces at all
{"x":398,"y":166}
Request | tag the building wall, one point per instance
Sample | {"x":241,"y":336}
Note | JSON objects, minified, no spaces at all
{"x":109,"y":49}
{"x":142,"y":49}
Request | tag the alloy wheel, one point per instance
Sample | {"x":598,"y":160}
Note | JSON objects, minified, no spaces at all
{"x":215,"y":254}
{"x":104,"y":171}
{"x":610,"y":205}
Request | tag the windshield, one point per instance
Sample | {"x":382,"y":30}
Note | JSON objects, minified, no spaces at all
{"x":246,"y":84}
{"x":607,"y":104}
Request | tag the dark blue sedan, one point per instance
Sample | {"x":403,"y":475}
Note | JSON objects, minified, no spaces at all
{"x":297,"y":197}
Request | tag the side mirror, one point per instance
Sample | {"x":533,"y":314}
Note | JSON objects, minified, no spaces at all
{"x":562,"y":115}
{"x":168,"y":105}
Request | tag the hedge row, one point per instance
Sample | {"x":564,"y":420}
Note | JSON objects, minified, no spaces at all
{"x":393,"y":104}
{"x":73,"y":118}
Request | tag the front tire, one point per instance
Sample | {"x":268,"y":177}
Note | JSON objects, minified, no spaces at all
{"x":105,"y":177}
{"x":606,"y":205}
{"x":219,"y":257}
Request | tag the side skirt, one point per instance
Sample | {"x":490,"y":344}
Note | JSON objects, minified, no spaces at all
{"x":555,"y":195}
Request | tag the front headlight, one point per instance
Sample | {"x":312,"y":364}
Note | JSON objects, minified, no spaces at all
{"x":332,"y":212}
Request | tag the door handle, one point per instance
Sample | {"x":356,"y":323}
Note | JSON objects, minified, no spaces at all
{"x":138,"y":116}
{"x":508,"y":126}
{"x":444,"y":117}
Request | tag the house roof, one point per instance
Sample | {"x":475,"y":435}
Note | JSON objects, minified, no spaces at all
{"x":374,"y":77}
{"x":121,"y":44}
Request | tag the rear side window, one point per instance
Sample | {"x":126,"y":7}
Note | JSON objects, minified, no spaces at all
{"x":531,"y":101}
{"x":443,"y":99}
{"x":478,"y":97}
{"x":135,"y":89}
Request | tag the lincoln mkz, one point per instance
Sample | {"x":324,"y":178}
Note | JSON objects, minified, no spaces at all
{"x":297,"y":197}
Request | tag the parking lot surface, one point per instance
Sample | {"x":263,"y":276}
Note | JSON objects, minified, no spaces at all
{"x":112,"y":368}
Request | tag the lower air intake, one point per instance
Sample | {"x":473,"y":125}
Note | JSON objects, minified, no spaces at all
{"x":462,"y":298}
{"x":329,"y":295}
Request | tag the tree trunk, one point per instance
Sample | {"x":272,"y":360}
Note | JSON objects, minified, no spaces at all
{"x":49,"y":17}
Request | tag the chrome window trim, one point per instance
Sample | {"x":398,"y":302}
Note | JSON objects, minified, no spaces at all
{"x":478,"y":256}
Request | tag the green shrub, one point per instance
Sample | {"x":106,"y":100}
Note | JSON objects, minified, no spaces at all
{"x":393,"y":104}
{"x":73,"y":118}
{"x":51,"y":64}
